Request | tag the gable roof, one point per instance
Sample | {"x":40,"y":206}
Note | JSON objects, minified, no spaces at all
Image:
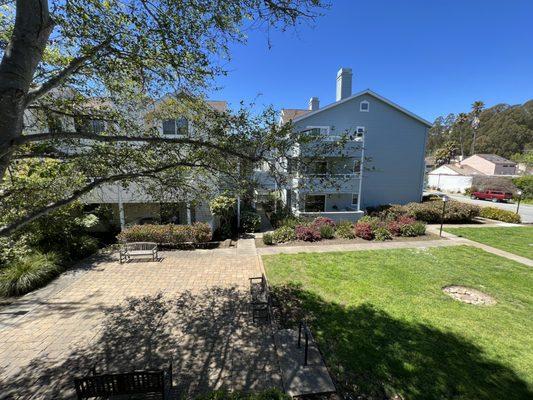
{"x":289,"y":114}
{"x":459,"y":169}
{"x":370,"y":93}
{"x":494,"y":158}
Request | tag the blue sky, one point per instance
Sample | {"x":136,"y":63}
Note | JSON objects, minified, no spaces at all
{"x":430,"y":56}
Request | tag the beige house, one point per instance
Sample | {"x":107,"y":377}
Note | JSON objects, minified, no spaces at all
{"x":490,"y":164}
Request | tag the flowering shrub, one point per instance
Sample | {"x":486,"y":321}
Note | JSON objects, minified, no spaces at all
{"x":395,"y":226}
{"x":500,"y":215}
{"x":167,"y":234}
{"x":307,"y":233}
{"x":431,"y":211}
{"x":364,"y":230}
{"x":323,"y":221}
{"x":283,"y":234}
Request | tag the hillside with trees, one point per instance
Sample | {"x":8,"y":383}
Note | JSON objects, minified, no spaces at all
{"x":506,"y":130}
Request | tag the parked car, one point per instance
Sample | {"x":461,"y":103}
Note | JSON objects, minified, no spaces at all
{"x":493,"y":195}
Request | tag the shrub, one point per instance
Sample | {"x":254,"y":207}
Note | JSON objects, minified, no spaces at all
{"x":307,"y":233}
{"x":364,"y":230}
{"x":417,"y":228}
{"x":278,"y":217}
{"x":292,"y":221}
{"x":250,"y":221}
{"x":326,"y":232}
{"x":374,"y":222}
{"x":199,"y":232}
{"x":500,"y":215}
{"x":431,"y":211}
{"x":323,"y":221}
{"x":382,"y":234}
{"x":345,"y":230}
{"x":283,"y":234}
{"x":268,"y":239}
{"x":395,"y":226}
{"x":28,"y":273}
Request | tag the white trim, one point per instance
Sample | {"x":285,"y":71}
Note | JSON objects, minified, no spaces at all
{"x":371,"y":93}
{"x":361,"y":106}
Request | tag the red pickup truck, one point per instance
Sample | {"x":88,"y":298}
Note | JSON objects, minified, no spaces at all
{"x":493,"y":195}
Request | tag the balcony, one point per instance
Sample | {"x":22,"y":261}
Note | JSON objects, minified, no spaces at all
{"x":327,"y":183}
{"x":327,"y":146}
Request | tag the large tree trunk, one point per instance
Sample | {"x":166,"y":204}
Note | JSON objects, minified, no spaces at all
{"x":23,"y":53}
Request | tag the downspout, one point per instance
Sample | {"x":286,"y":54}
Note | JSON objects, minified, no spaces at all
{"x":361,"y":174}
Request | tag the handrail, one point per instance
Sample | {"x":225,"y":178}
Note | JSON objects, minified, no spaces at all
{"x":307,"y":332}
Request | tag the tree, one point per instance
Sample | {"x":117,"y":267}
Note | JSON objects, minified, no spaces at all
{"x":446,"y":154}
{"x":105,"y":61}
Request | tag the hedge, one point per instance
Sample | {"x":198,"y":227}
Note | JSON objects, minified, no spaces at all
{"x":199,"y":232}
{"x":500,"y":215}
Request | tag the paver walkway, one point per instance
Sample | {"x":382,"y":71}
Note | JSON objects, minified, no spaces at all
{"x":190,"y":308}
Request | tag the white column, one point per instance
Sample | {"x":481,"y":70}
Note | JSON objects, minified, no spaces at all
{"x":361,"y":174}
{"x":189,"y":215}
{"x":120,"y":208}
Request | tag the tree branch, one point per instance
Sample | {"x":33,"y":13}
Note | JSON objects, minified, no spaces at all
{"x":19,"y":223}
{"x":38,"y":137}
{"x":74,"y":65}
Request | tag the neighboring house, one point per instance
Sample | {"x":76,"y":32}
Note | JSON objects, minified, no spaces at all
{"x":382,"y":163}
{"x":491,"y":164}
{"x":460,"y":176}
{"x":452,"y":177}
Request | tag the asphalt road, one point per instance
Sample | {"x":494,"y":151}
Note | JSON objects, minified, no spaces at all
{"x":525,"y":211}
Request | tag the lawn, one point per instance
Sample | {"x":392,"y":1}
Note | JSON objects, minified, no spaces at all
{"x":516,"y":240}
{"x":386,"y":328}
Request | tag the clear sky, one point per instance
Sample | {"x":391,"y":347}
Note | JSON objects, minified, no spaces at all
{"x":432,"y":57}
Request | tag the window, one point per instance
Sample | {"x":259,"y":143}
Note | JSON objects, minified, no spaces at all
{"x":97,"y":126}
{"x":85,"y":124}
{"x":359,"y":131}
{"x":315,"y":203}
{"x":355,"y":199}
{"x":178,"y":126}
{"x":364,"y":106}
{"x":317,"y":130}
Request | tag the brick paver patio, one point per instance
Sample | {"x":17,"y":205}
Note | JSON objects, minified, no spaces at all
{"x":191,"y":308}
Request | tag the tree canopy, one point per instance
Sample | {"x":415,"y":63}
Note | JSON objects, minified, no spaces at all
{"x":503,"y":129}
{"x":68,"y":64}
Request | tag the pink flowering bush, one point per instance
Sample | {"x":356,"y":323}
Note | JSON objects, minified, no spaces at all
{"x":364,"y":230}
{"x":307,"y":233}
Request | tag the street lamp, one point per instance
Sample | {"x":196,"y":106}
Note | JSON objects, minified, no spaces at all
{"x":519,"y":194}
{"x":444,"y":201}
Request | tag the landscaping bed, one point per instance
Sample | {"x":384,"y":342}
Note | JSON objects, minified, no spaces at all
{"x":388,"y":329}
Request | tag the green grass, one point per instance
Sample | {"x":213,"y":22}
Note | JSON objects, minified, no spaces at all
{"x":516,"y":240}
{"x":386,"y":328}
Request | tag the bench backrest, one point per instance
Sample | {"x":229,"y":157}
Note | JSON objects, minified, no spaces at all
{"x":118,"y":384}
{"x":140,"y":245}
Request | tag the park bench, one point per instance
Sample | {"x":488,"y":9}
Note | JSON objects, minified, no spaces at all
{"x":260,"y":298}
{"x":108,"y":386}
{"x":138,"y":249}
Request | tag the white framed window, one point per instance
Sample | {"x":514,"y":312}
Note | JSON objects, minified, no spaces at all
{"x":317,"y":130}
{"x":364,"y":106}
{"x":179,"y":126}
{"x":355,"y":199}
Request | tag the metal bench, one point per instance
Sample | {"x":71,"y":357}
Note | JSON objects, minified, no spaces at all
{"x":260,"y":298}
{"x":130,"y":383}
{"x":138,"y":249}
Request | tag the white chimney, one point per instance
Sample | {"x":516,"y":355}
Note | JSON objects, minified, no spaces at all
{"x":314,"y":103}
{"x":344,"y":83}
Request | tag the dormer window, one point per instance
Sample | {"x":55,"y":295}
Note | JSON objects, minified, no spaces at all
{"x":364,"y":106}
{"x":179,"y":126}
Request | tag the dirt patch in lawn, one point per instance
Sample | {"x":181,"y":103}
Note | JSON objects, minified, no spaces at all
{"x":325,"y":242}
{"x":469,"y":295}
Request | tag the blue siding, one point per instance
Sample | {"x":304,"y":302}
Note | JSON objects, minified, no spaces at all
{"x":394,"y":148}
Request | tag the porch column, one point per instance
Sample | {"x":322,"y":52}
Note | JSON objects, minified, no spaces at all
{"x":120,"y":208}
{"x":189,"y":215}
